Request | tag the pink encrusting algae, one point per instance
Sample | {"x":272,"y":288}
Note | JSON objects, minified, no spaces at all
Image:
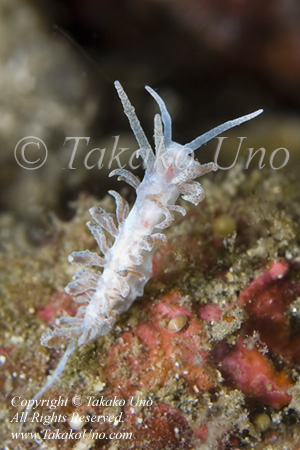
{"x":246,"y":364}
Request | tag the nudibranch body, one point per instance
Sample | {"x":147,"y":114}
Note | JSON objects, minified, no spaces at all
{"x":109,"y":284}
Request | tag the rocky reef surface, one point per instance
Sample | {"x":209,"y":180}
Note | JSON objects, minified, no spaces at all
{"x":210,"y":354}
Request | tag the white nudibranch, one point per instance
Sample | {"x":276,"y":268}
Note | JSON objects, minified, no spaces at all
{"x":109,"y":284}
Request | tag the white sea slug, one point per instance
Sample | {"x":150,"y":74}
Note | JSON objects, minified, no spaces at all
{"x":109,"y":284}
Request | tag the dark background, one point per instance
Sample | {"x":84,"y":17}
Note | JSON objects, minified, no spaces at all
{"x":211,"y":61}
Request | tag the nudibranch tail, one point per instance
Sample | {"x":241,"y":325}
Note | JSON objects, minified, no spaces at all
{"x":56,"y":374}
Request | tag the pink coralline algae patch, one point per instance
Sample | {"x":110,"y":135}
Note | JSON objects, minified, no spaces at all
{"x":252,"y":373}
{"x":166,"y":354}
{"x":267,"y":300}
{"x":59,"y":304}
{"x":210,"y":313}
{"x":269,"y":295}
{"x":244,"y":365}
